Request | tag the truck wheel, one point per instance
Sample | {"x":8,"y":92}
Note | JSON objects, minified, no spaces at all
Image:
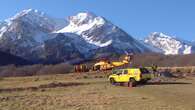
{"x":112,"y":81}
{"x":132,"y":82}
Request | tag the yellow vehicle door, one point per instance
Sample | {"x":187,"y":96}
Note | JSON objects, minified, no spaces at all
{"x":118,"y":76}
{"x":124,"y":77}
{"x":135,"y":73}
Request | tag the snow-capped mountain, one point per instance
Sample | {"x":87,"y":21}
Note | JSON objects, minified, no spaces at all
{"x":83,"y":22}
{"x":100,"y":32}
{"x":24,"y":34}
{"x":2,"y":24}
{"x":35,"y":36}
{"x":66,"y":47}
{"x":28,"y":24}
{"x":169,"y":45}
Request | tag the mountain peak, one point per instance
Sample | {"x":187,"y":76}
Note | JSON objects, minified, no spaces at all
{"x":37,"y":19}
{"x":169,"y":44}
{"x":85,"y":18}
{"x":82,"y":22}
{"x":159,"y":34}
{"x":86,"y":14}
{"x":29,"y":13}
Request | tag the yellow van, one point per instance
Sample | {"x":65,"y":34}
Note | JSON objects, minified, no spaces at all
{"x":132,"y":75}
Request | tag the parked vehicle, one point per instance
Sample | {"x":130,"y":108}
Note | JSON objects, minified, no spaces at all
{"x":131,"y":76}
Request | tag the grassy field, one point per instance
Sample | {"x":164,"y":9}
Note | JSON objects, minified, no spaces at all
{"x":93,"y":92}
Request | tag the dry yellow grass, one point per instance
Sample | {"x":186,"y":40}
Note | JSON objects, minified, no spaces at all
{"x":95,"y":93}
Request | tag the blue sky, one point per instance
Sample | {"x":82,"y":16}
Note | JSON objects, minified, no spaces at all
{"x":137,"y":17}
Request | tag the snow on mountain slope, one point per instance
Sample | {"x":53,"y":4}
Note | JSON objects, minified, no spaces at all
{"x":83,"y":22}
{"x":31,"y":22}
{"x":29,"y":27}
{"x":168,"y":44}
{"x":80,"y":44}
{"x":98,"y":31}
{"x":26,"y":34}
{"x":151,"y":47}
{"x":3,"y":26}
{"x":40,"y":19}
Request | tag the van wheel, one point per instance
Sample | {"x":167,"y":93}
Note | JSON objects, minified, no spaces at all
{"x":132,"y":82}
{"x":112,"y":81}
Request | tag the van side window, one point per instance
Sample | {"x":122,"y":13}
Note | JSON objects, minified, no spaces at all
{"x":119,"y":72}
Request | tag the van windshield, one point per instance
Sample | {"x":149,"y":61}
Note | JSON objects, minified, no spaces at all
{"x":117,"y":71}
